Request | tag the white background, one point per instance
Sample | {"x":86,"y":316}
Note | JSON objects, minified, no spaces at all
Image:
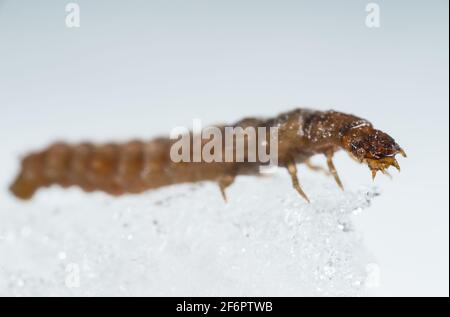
{"x":140,"y":68}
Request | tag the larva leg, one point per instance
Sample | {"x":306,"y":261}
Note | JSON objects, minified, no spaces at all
{"x":387,"y":174}
{"x":316,"y":168}
{"x":292,"y":169}
{"x":332,"y":169}
{"x":224,"y":183}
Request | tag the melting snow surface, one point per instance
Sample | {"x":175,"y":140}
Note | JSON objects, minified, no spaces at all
{"x":185,"y":241}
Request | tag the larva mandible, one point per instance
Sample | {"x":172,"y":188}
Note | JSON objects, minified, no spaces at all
{"x":138,"y":166}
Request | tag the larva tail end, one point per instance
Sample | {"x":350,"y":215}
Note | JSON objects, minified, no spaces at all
{"x":23,"y":189}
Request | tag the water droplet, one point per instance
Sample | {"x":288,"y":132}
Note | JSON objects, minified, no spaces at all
{"x":62,"y":256}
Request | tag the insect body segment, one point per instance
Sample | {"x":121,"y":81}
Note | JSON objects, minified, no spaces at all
{"x":137,"y":166}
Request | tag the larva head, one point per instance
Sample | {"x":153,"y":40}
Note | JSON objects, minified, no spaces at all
{"x":373,"y":147}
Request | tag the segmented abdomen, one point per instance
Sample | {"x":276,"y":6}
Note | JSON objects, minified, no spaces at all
{"x":116,"y":169}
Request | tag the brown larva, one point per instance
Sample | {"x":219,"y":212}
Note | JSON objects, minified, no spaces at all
{"x":138,"y":166}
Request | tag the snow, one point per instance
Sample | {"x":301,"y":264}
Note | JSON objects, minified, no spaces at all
{"x":185,"y":240}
